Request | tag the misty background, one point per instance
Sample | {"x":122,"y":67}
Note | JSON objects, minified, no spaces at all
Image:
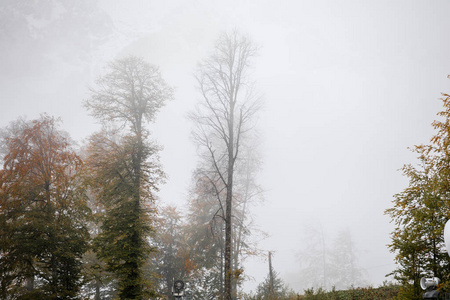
{"x":347,"y":86}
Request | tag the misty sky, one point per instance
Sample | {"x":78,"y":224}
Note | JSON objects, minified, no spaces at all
{"x":347,"y":86}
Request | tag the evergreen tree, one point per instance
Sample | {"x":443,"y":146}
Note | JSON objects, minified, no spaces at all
{"x":272,"y":288}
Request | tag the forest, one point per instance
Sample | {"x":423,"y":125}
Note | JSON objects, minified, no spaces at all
{"x":86,"y":223}
{"x":296,"y":126}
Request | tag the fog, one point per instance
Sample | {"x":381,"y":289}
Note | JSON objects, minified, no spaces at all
{"x":347,"y":87}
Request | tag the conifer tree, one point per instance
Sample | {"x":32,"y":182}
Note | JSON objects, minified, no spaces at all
{"x":272,"y":288}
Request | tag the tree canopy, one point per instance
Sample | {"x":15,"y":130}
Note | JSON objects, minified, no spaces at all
{"x":421,"y":210}
{"x":42,"y":212}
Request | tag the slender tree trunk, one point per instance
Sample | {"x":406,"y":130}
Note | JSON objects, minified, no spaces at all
{"x":271,"y":291}
{"x":324,"y":265}
{"x":228,"y":271}
{"x":29,"y":283}
{"x":135,"y":274}
{"x":234,"y":266}
{"x":229,"y":199}
{"x":222,"y":268}
{"x":239,"y":235}
{"x":97,"y":290}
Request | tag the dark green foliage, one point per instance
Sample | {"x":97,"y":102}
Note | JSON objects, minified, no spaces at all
{"x":43,"y":215}
{"x":125,"y":224}
{"x":124,"y":168}
{"x":385,"y":292}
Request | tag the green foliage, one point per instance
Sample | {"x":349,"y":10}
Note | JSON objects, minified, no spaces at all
{"x":124,"y":170}
{"x":280,"y":290}
{"x":98,"y":284}
{"x":421,"y":211}
{"x":386,"y":292}
{"x":43,"y":214}
{"x":125,"y":223}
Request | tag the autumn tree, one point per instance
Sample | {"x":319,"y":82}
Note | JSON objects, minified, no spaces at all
{"x":205,"y":228}
{"x":42,"y":213}
{"x":421,"y":210}
{"x":124,"y":166}
{"x":328,"y":264}
{"x":223,"y":119}
{"x":204,"y":234}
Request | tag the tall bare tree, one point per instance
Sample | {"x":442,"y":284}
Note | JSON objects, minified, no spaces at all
{"x":223,"y":120}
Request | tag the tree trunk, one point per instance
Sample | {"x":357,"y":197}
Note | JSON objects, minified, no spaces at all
{"x":229,"y":198}
{"x":271,"y":291}
{"x":97,"y":290}
{"x":135,"y":275}
{"x":221,"y":296}
{"x":228,"y":271}
{"x":29,"y":283}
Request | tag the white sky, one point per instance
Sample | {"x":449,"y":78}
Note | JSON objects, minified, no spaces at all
{"x":347,"y":85}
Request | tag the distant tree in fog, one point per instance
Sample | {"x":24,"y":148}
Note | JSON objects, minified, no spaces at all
{"x":272,"y":288}
{"x":345,"y":271}
{"x":313,"y":260}
{"x":326,"y":265}
{"x":224,"y":118}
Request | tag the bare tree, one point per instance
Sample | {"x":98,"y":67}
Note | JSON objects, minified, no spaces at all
{"x":223,"y":119}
